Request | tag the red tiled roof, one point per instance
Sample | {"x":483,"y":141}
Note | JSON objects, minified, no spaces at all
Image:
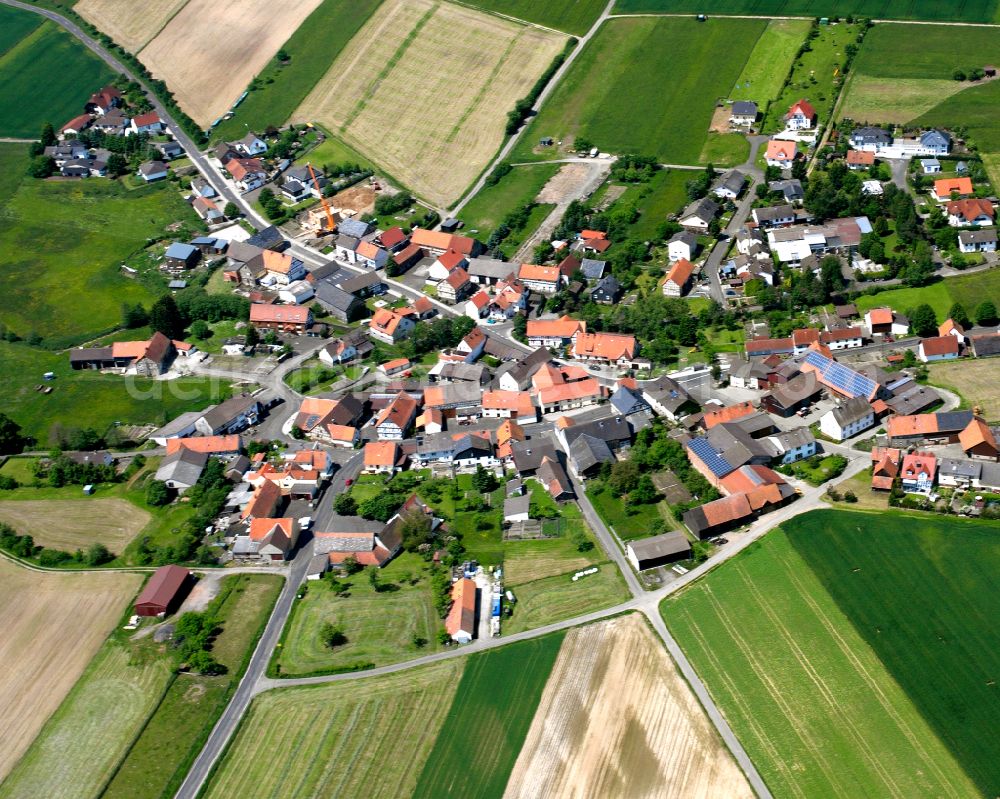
{"x":209,"y":444}
{"x":975,"y":434}
{"x":680,"y":272}
{"x":939,"y":345}
{"x":804,"y":106}
{"x":284,"y":314}
{"x":947,"y":186}
{"x":730,"y":414}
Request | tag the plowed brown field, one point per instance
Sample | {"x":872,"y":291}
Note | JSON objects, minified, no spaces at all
{"x":617,"y":720}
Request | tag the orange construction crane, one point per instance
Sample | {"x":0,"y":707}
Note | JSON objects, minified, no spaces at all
{"x":331,"y":225}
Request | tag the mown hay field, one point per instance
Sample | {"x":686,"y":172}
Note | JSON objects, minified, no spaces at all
{"x":211,"y":49}
{"x":552,"y":599}
{"x":617,"y":720}
{"x":854,"y":654}
{"x":770,"y":61}
{"x":71,"y":524}
{"x":633,"y":88}
{"x":130,"y":24}
{"x":54,"y":624}
{"x":362,"y":738}
{"x":45,"y":75}
{"x":488,"y":720}
{"x":426,"y":103}
{"x":975,"y":381}
{"x":935,"y":10}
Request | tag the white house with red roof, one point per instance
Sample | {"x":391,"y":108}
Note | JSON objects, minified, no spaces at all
{"x":801,"y":116}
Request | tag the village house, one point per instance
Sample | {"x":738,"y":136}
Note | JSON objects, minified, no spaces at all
{"x":771,"y":216}
{"x":396,"y":419}
{"x":870,"y":139}
{"x":230,"y":416}
{"x":152,"y":171}
{"x":389,"y":326}
{"x":938,"y":348}
{"x":292,"y":319}
{"x":383,"y":457}
{"x":608,"y":291}
{"x":682,"y":245}
{"x":668,"y":398}
{"x":517,"y":405}
{"x":886,"y":321}
{"x":554,"y":333}
{"x":678,"y":280}
{"x":847,"y":419}
{"x":369,"y":543}
{"x":858,"y":160}
{"x":181,"y":469}
{"x":943,"y":427}
{"x":977,"y":240}
{"x":103,"y":101}
{"x":543,"y":279}
{"x":950,"y":188}
{"x":917,"y":473}
{"x":970,"y":213}
{"x":978,"y":441}
{"x":801,"y":116}
{"x":455,"y":287}
{"x":699,"y":215}
{"x":438,"y":242}
{"x":247,"y":173}
{"x":460,"y":623}
{"x":148,"y":123}
{"x":791,"y":190}
{"x":743,"y":114}
{"x":565,"y":388}
{"x":250,"y":145}
{"x":606,"y":348}
{"x":354,"y":345}
{"x":730,"y":185}
{"x":781,"y":153}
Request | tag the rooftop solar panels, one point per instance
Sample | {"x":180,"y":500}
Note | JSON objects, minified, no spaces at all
{"x":837,"y":376}
{"x":720,"y":466}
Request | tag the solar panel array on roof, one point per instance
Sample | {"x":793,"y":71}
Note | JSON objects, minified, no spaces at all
{"x":845,"y":380}
{"x":720,"y":466}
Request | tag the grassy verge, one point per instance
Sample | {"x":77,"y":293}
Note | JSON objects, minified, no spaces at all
{"x":553,"y":599}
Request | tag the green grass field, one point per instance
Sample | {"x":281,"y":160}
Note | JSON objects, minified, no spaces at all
{"x":283,"y":88}
{"x":970,"y":290}
{"x":516,"y":189}
{"x":380,"y":626}
{"x":89,"y":399}
{"x":813,"y":76}
{"x":46,"y":77}
{"x":158,"y":760}
{"x":635,"y":65}
{"x":79,"y":748}
{"x":553,"y":599}
{"x":15,"y":25}
{"x":662,"y":196}
{"x":362,"y":738}
{"x":571,"y":16}
{"x":770,"y":60}
{"x":855,"y":655}
{"x":61,"y":242}
{"x":968,"y":11}
{"x":488,"y":720}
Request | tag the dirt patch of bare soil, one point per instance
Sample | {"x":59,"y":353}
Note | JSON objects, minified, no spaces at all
{"x":720,"y":120}
{"x":617,"y":720}
{"x":358,"y":199}
{"x":567,"y":182}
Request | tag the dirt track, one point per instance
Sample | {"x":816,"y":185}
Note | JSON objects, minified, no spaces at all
{"x":54,"y":623}
{"x":617,"y":720}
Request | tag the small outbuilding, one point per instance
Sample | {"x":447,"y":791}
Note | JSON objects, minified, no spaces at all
{"x":648,"y":553}
{"x":164,"y":592}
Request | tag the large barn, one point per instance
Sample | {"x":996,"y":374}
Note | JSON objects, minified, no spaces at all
{"x":164,"y":591}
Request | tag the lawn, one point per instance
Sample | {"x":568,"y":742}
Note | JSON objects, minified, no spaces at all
{"x":664,"y":195}
{"x":725,"y":149}
{"x":842,"y":631}
{"x":332,"y":151}
{"x":351,"y":739}
{"x":62,"y":241}
{"x":969,"y":11}
{"x":380,"y":626}
{"x":571,"y":16}
{"x":158,"y":760}
{"x":89,"y":399}
{"x":770,"y":60}
{"x":553,"y":599}
{"x":635,"y":65}
{"x":817,"y":469}
{"x":816,"y":76}
{"x":975,"y":381}
{"x":616,"y":515}
{"x":488,"y":720}
{"x":283,"y":87}
{"x":516,"y":189}
{"x":970,"y":290}
{"x":68,"y":524}
{"x":46,"y":77}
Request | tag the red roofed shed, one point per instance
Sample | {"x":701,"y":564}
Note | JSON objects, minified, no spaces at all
{"x":164,"y":591}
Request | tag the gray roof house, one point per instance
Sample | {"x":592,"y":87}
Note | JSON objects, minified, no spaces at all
{"x":743,"y":112}
{"x":182,"y":469}
{"x":587,"y":453}
{"x":791,"y":189}
{"x":936,"y":141}
{"x":341,"y":304}
{"x":354,"y":228}
{"x":591,"y":268}
{"x":699,"y":213}
{"x":870,"y":138}
{"x":730,"y":185}
{"x":659,"y":550}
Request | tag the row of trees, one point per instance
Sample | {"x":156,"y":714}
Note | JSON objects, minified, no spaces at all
{"x":172,"y":315}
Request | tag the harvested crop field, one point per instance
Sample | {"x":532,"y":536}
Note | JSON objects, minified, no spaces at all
{"x":974,"y":380}
{"x":211,"y":50}
{"x":362,"y":738}
{"x":896,"y":100}
{"x":129,"y":23}
{"x":427,"y":105}
{"x":71,"y":524}
{"x":617,"y":720}
{"x":54,"y":623}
